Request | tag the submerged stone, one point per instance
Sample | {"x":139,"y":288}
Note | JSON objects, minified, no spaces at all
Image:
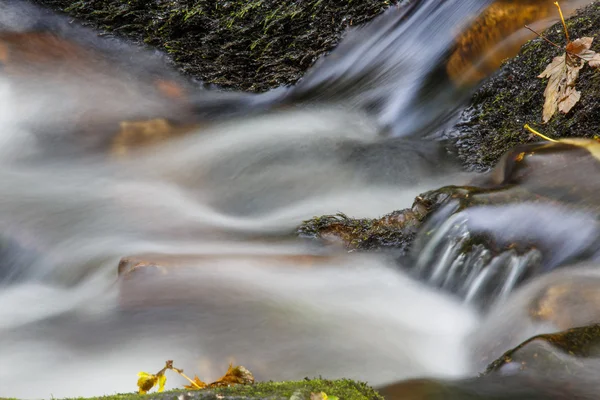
{"x":571,"y":352}
{"x":560,"y":300}
{"x":491,"y":388}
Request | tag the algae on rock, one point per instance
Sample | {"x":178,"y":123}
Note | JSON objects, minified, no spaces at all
{"x":246,"y":45}
{"x":299,"y":390}
{"x":515,"y":96}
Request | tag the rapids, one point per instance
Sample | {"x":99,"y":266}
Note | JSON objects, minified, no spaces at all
{"x":226,"y":199}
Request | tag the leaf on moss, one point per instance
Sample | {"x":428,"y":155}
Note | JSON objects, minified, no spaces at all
{"x":560,"y":93}
{"x":322,"y":396}
{"x":198,"y":384}
{"x":563,"y":71}
{"x":582,"y":49}
{"x":146,"y":382}
{"x":234,"y":376}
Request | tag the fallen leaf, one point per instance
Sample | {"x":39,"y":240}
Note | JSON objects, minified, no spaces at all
{"x":560,"y":93}
{"x":162,"y":379}
{"x":198,"y":382}
{"x":582,"y":49}
{"x":146,"y":382}
{"x":234,"y":376}
{"x":563,"y":71}
{"x":322,"y":396}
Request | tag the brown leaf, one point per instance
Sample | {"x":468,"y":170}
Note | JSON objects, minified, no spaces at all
{"x":197,"y":381}
{"x":581,"y":48}
{"x":578,"y":46}
{"x":560,"y":93}
{"x":571,"y":97}
{"x":234,"y":376}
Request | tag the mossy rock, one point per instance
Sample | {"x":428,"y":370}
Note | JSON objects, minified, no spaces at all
{"x":394,"y":231}
{"x":297,"y":390}
{"x":515,"y":96}
{"x":249,"y":45}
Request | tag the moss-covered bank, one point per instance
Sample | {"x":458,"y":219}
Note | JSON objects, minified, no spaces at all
{"x":515,"y":96}
{"x":243,"y":44}
{"x":297,"y":390}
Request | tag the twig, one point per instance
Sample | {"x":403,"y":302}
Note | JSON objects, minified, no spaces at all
{"x":530,"y":129}
{"x":554,"y":44}
{"x":180,"y":372}
{"x":562,"y":19}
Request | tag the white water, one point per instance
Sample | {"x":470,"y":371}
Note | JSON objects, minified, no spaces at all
{"x":66,"y":328}
{"x":61,"y":322}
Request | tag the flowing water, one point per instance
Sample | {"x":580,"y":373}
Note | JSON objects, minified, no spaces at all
{"x":221,"y":206}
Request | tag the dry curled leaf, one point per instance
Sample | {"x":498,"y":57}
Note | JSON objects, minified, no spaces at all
{"x":562,"y":74}
{"x":560,"y":93}
{"x":581,"y":48}
{"x":234,"y":376}
{"x":198,"y":384}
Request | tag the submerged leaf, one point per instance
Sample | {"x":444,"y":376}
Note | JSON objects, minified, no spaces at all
{"x":146,"y":382}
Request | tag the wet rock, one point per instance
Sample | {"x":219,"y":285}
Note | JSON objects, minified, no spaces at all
{"x":534,"y":212}
{"x":571,"y":352}
{"x":514,"y":96}
{"x":163,"y":280}
{"x":75,"y":91}
{"x":558,"y":301}
{"x":392,"y":231}
{"x":248,"y":45}
{"x":491,"y":388}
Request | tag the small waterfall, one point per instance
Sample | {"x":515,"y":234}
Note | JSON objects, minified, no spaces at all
{"x":482,"y":253}
{"x":455,"y":259}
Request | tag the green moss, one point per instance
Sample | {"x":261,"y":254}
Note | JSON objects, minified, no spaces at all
{"x":395,"y":230}
{"x":515,"y":96}
{"x":343,"y":388}
{"x":250,"y":45}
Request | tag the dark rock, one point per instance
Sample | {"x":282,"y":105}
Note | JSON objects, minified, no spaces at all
{"x":248,"y":45}
{"x":515,"y":96}
{"x":394,"y":231}
{"x":491,"y":388}
{"x":571,"y":352}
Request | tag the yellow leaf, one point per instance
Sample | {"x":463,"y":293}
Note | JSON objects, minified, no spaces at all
{"x":591,"y":145}
{"x":322,"y":396}
{"x":146,"y":382}
{"x":161,"y":382}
